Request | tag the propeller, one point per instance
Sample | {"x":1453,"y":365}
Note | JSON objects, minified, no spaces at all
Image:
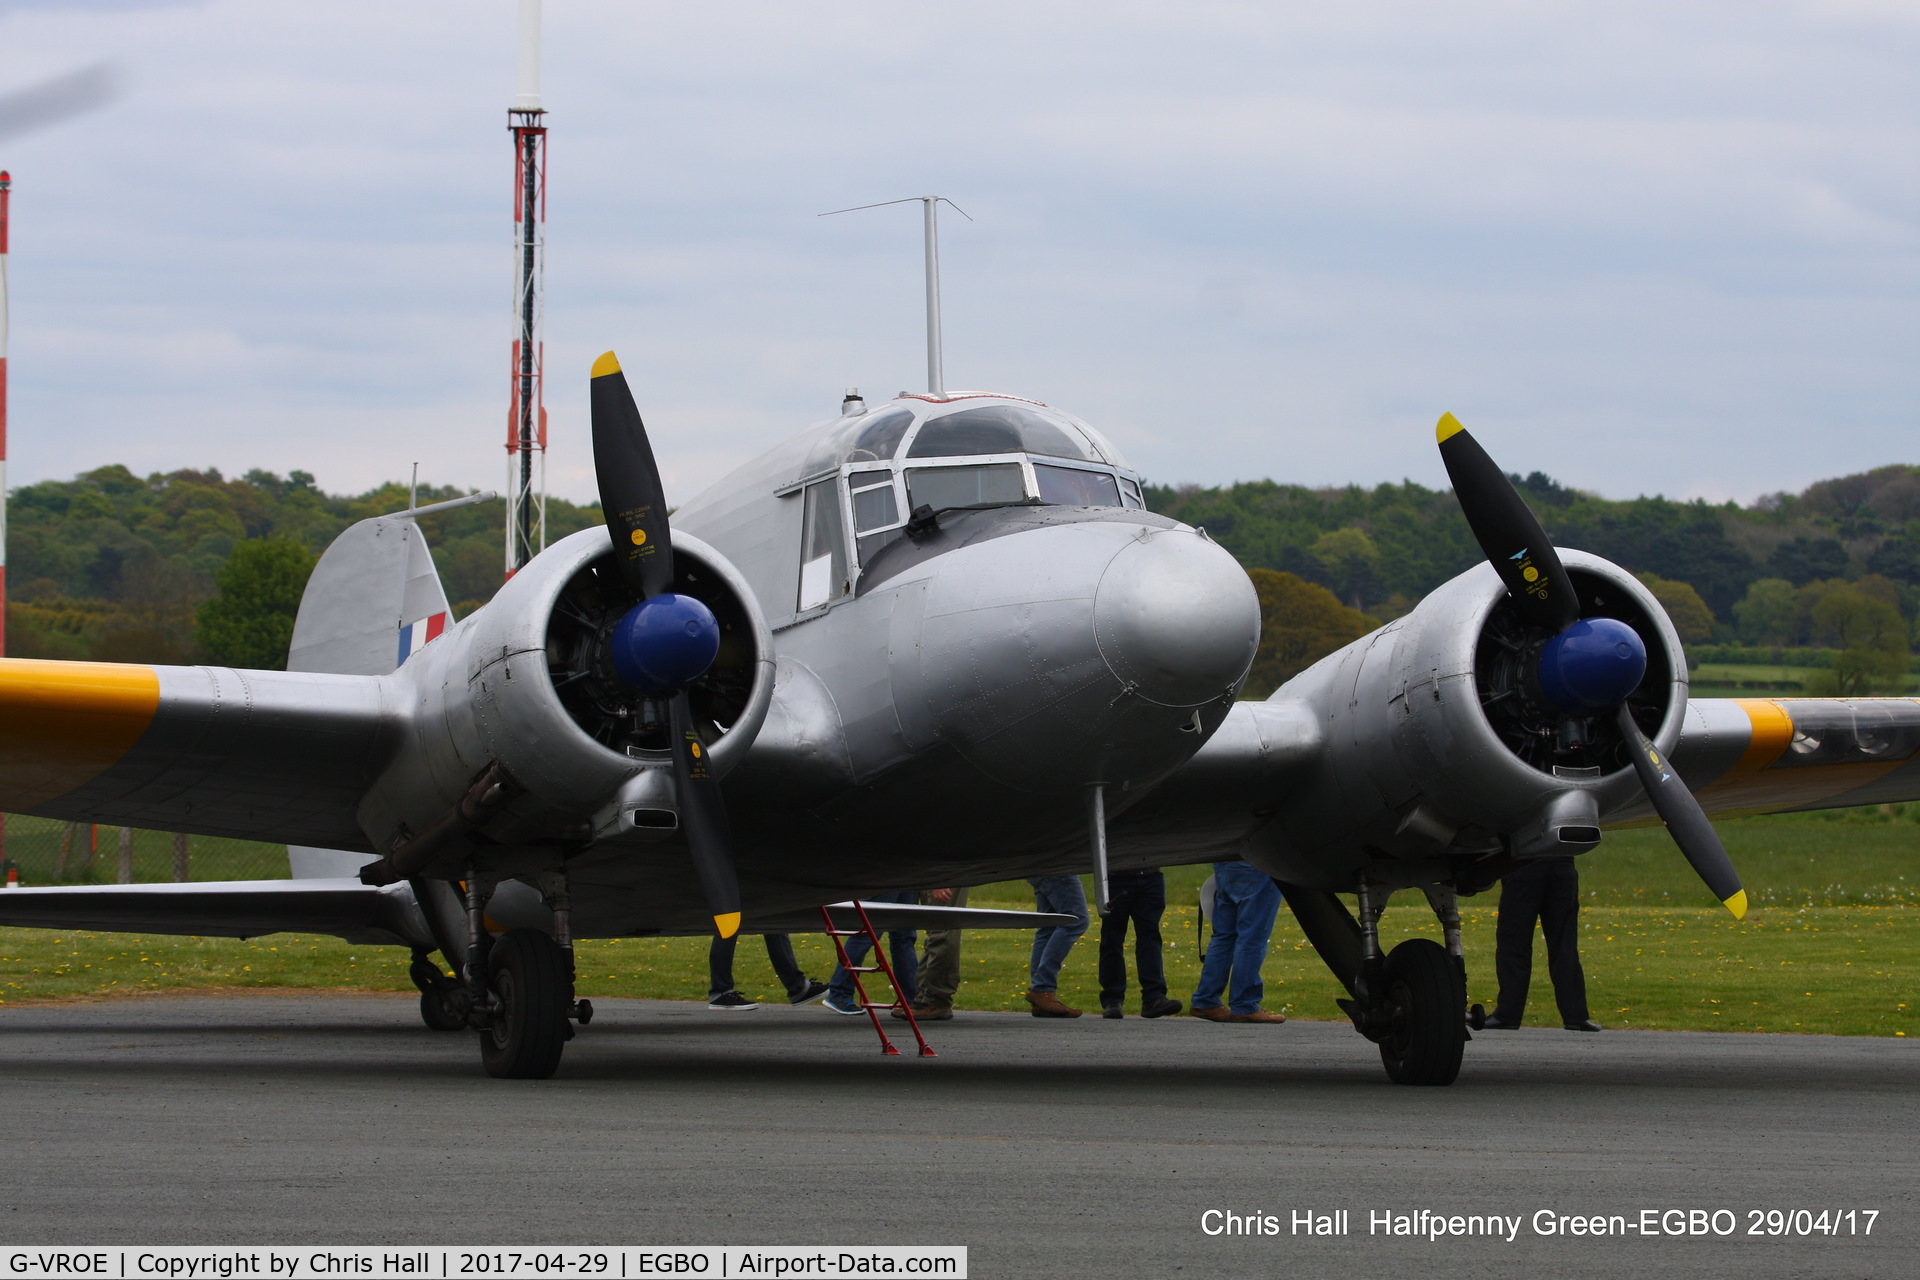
{"x":1589,"y":665}
{"x":668,"y":640}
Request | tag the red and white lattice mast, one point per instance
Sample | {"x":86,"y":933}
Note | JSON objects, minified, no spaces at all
{"x":527,"y":419}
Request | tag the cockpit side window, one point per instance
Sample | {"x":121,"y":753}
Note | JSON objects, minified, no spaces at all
{"x":1072,"y":487}
{"x":823,"y":548}
{"x":1000,"y":428}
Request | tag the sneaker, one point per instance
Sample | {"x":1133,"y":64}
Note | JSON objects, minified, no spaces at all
{"x":851,"y":1008}
{"x":1588,"y":1025}
{"x":1112,"y":1011}
{"x":1216,"y":1014}
{"x":815,"y":989}
{"x":732,"y":1002}
{"x":1258,"y":1015}
{"x":1161,"y":1008}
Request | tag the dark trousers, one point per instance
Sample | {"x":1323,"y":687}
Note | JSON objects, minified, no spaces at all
{"x":1139,"y":901}
{"x":779,"y":950}
{"x":1547,"y":891}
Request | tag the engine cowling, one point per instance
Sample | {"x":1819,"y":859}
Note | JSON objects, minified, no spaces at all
{"x":1441,"y":749}
{"x":528,"y":684}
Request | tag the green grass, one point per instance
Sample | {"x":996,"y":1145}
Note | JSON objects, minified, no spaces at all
{"x":1832,"y":946}
{"x":1757,"y":680}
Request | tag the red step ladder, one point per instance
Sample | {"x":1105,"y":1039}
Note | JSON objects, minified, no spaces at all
{"x":879,"y":953}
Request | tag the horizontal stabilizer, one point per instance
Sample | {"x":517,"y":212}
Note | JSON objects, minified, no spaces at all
{"x":226,"y":909}
{"x":888,"y":916}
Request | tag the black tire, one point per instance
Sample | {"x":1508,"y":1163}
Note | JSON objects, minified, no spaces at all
{"x":437,"y":1010}
{"x":1426,"y":997}
{"x":528,"y":975}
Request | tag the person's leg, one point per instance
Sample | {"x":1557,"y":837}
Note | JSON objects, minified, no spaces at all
{"x":1113,"y":943}
{"x":1218,"y":965}
{"x":720,"y":965}
{"x":840,"y":987}
{"x":1513,"y":942}
{"x":1258,"y":900}
{"x":1560,"y":921}
{"x":1064,"y":895}
{"x":1149,"y":904}
{"x":906,"y":964}
{"x":785,"y":966}
{"x":939,"y":976}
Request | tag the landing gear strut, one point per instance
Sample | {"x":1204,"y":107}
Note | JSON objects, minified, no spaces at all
{"x":443,"y":1000}
{"x":1412,"y":1003}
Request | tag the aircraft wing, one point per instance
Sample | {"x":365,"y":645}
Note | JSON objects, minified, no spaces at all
{"x":1770,"y":755}
{"x":259,"y":755}
{"x":226,"y":909}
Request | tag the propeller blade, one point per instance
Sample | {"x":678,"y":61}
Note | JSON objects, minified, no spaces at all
{"x":630,"y":492}
{"x":1516,"y":545}
{"x":703,"y":817}
{"x":1686,"y":821}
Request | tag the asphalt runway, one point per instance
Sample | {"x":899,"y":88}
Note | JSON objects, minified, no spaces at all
{"x":1082,"y":1148}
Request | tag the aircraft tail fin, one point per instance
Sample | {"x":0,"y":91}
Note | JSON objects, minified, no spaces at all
{"x":375,"y":598}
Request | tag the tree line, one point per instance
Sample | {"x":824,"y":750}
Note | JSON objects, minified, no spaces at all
{"x":190,"y":566}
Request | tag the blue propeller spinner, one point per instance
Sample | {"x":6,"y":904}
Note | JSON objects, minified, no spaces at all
{"x":1592,"y":665}
{"x":665,"y":642}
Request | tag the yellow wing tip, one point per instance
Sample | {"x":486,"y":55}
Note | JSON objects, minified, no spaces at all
{"x":1738,"y":905}
{"x":1449,"y":427}
{"x":728,"y":924}
{"x":605,"y":365}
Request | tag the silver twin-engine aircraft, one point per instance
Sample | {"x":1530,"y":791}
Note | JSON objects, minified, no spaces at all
{"x":936,"y":642}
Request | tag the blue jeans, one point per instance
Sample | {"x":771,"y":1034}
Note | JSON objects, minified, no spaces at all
{"x":906,"y":965}
{"x":1064,"y":896}
{"x":1245,"y":901}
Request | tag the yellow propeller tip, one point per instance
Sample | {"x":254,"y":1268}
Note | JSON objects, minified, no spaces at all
{"x":1738,"y":905}
{"x":605,"y":365}
{"x":1448,"y":428}
{"x":728,"y":924}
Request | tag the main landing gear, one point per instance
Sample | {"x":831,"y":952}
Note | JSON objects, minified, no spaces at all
{"x":1412,"y":1003}
{"x":516,"y":990}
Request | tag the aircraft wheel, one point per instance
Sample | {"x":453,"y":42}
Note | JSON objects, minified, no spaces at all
{"x":1427,"y":1035}
{"x":437,"y":1008}
{"x":533,"y":991}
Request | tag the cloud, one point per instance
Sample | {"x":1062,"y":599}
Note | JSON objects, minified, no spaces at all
{"x":1644,"y":248}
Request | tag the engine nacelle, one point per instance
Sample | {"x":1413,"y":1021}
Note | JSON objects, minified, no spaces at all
{"x":1441,"y":751}
{"x":528,"y":684}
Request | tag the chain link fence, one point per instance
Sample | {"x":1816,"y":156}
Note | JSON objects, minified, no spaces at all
{"x":47,"y":851}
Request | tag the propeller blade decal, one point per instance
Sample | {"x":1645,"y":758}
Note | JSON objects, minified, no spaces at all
{"x":1686,"y":821}
{"x":630,"y":491}
{"x":1515,"y":544}
{"x":703,"y":818}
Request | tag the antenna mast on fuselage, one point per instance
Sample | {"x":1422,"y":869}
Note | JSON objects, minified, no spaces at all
{"x":936,"y":373}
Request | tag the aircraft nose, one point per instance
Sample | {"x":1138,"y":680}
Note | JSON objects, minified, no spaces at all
{"x":1176,"y":618}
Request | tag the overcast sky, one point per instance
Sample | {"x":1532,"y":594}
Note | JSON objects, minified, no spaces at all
{"x":1645,"y":248}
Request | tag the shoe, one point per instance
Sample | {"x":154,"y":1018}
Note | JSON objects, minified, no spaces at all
{"x":1112,"y":1011}
{"x":1588,"y":1025}
{"x":1495,"y":1022}
{"x":732,"y":1002}
{"x":1161,"y":1008}
{"x":927,"y":1013}
{"x":1047,"y":1005}
{"x":1216,"y":1014}
{"x":1258,"y":1015}
{"x":815,"y":989}
{"x":851,"y":1008}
